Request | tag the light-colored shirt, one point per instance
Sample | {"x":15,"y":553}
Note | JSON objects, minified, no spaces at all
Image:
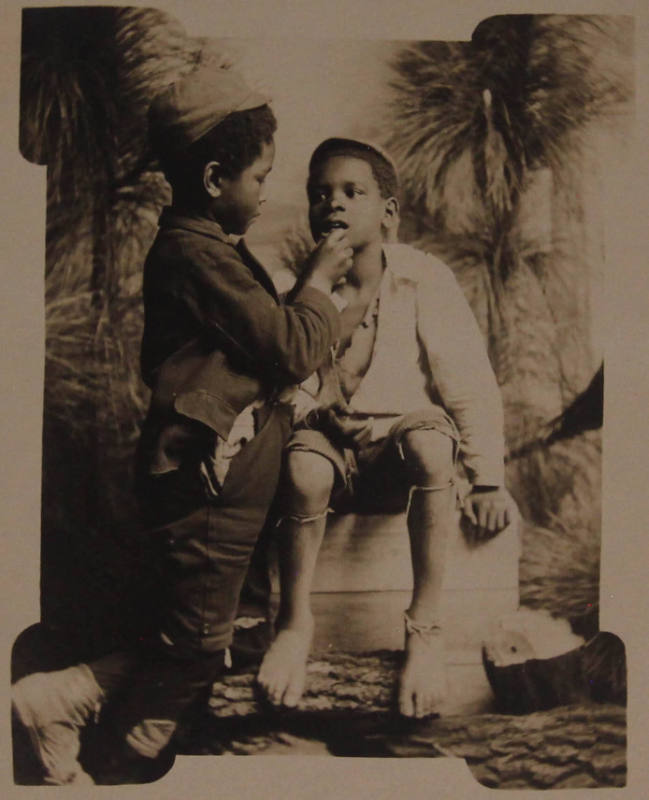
{"x":427,"y":349}
{"x":354,"y":360}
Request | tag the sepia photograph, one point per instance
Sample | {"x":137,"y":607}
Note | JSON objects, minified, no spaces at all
{"x":326,"y":331}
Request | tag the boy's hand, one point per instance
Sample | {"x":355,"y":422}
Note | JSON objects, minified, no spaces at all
{"x":329,"y":261}
{"x":489,"y":511}
{"x":303,"y":403}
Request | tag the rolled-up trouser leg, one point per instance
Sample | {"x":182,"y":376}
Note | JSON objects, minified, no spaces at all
{"x":164,"y":691}
{"x":254,"y":600}
{"x":113,"y":670}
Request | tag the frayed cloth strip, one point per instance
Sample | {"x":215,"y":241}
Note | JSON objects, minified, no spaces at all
{"x":302,"y":519}
{"x":449,"y":485}
{"x":421,"y":628}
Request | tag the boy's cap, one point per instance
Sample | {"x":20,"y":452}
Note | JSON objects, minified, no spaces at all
{"x":336,"y":143}
{"x":187,"y":109}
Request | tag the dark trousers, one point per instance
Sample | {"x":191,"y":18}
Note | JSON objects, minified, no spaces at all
{"x":255,"y":597}
{"x":202,"y":546}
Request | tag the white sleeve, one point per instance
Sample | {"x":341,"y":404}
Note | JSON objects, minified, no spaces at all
{"x":461,"y":372}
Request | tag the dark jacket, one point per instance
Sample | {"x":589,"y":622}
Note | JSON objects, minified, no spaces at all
{"x":216,"y":338}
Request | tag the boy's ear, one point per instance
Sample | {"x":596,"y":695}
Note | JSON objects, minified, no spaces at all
{"x":212,"y":178}
{"x":391,"y":219}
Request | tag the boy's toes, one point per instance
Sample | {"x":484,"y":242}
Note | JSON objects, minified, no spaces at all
{"x":294,"y":691}
{"x":424,"y":704}
{"x":273,"y":696}
{"x":406,"y":704}
{"x":268,"y":684}
{"x":291,"y":699}
{"x":263,"y":682}
{"x":420,"y":707}
{"x":282,"y":675}
{"x":276,"y":696}
{"x":272,"y":690}
{"x":419,"y":703}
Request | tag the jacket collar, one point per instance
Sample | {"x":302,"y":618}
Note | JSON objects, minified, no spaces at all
{"x":257,"y":269}
{"x":207,"y":227}
{"x":192,"y":222}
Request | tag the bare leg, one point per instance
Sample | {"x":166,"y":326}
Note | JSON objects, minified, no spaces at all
{"x":309,"y":479}
{"x":422,"y":683}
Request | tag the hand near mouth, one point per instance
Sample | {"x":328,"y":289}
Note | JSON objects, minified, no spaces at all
{"x":330,"y":260}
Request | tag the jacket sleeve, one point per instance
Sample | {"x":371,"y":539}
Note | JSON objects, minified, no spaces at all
{"x":287,"y":340}
{"x":462,"y":373}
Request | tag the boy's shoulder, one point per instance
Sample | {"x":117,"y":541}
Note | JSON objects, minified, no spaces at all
{"x":194,"y":232}
{"x":192,"y":242}
{"x":410,"y":263}
{"x":201,"y":248}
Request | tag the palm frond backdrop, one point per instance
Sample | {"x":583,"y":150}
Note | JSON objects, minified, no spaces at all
{"x":492,"y":139}
{"x":87,"y":77}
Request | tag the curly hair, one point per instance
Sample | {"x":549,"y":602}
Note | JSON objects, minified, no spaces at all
{"x":383,"y":170}
{"x":235,"y":143}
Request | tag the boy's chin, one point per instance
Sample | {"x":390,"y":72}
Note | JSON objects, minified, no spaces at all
{"x":239,"y":230}
{"x":249,"y":224}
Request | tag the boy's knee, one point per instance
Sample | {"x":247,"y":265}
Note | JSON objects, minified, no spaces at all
{"x":428,"y":454}
{"x":308,"y":481}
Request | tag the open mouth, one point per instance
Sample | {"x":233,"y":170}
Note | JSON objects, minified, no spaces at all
{"x":332,"y":224}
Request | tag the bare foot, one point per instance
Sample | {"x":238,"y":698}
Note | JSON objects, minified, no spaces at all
{"x":282,"y":674}
{"x":422,"y":683}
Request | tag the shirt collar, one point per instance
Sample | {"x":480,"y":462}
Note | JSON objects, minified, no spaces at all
{"x":373,"y":306}
{"x":193,"y":222}
{"x":401,"y":262}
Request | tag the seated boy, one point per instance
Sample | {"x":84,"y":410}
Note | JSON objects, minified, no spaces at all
{"x":407,"y":389}
{"x":217,"y":351}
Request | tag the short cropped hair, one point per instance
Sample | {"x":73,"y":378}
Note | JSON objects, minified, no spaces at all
{"x":235,"y":143}
{"x":383,"y":170}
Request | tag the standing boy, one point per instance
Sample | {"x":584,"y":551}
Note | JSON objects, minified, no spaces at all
{"x":408,"y":389}
{"x":217,"y":351}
